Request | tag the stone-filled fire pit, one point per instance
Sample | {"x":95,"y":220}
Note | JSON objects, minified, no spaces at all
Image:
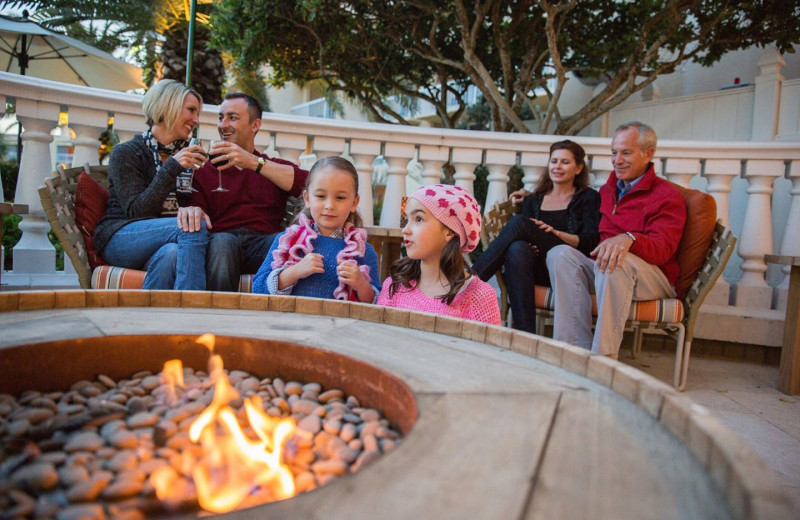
{"x":98,"y":449}
{"x":509,"y":425}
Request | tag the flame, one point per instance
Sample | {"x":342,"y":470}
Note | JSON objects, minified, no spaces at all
{"x":233,"y":467}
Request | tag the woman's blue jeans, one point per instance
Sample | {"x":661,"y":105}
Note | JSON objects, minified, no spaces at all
{"x":173,"y":259}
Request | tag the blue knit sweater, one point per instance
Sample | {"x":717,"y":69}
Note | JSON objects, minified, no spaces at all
{"x":319,"y":285}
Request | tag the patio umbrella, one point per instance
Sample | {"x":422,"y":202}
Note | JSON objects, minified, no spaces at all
{"x":27,"y":48}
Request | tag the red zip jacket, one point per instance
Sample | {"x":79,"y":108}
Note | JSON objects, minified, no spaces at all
{"x":654,"y":212}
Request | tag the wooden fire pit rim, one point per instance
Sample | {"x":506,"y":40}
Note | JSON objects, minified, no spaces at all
{"x":752,"y":490}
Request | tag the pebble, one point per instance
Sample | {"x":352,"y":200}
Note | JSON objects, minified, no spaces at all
{"x":348,"y":432}
{"x":46,"y":507}
{"x":39,"y":476}
{"x":371,"y":443}
{"x":24,"y":504}
{"x":69,"y":475}
{"x":370,"y":414}
{"x":82,"y":512}
{"x":333,"y":393}
{"x":248,"y":386}
{"x":305,"y":482}
{"x":304,"y":406}
{"x":110,"y":383}
{"x":142,"y":420}
{"x":123,"y":439}
{"x":90,"y":489}
{"x":334,"y":427}
{"x":151,"y":382}
{"x":70,"y":409}
{"x":293,"y":388}
{"x":310,"y":423}
{"x":279,"y":386}
{"x":324,"y":467}
{"x":85,"y":441}
{"x":18,"y":428}
{"x":122,"y":460}
{"x":123,"y":488}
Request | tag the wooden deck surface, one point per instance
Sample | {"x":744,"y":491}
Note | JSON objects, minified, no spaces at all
{"x":500,"y":434}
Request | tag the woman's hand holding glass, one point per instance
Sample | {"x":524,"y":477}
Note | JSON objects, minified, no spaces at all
{"x":191,"y":157}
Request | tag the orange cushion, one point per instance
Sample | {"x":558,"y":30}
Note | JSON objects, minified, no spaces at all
{"x":701,"y":217}
{"x":90,"y":206}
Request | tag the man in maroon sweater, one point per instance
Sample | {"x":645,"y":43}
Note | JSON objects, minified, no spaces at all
{"x":245,"y":219}
{"x":641,"y":223}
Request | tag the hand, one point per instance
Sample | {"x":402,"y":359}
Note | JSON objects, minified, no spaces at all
{"x":547,"y":228}
{"x":350,"y":274}
{"x":310,"y":264}
{"x":189,"y":219}
{"x":611,"y":251}
{"x":517,"y":196}
{"x":234,"y":154}
{"x":191,"y":157}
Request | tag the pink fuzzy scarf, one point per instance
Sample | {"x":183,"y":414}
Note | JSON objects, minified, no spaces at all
{"x":296,"y":243}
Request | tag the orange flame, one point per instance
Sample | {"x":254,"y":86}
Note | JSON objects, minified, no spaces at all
{"x":232,"y":466}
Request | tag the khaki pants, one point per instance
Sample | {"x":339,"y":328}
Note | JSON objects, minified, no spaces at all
{"x":573,"y":276}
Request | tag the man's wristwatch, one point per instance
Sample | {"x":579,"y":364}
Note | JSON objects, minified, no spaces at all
{"x":630,"y":235}
{"x":261,"y":163}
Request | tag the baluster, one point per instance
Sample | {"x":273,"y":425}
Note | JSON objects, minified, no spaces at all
{"x":127,"y":125}
{"x":681,"y":171}
{"x":791,"y":236}
{"x":34,"y":254}
{"x":432,"y":159}
{"x":328,"y":146}
{"x":397,"y":156}
{"x":464,"y":161}
{"x":498,"y":162}
{"x":308,"y":157}
{"x":601,"y":167}
{"x":289,"y":146}
{"x":363,"y":153}
{"x":720,"y":174}
{"x":756,"y":240}
{"x":534,"y":165}
{"x":88,"y":125}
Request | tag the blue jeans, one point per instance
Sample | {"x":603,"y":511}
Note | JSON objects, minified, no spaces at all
{"x":232,"y":253}
{"x":173,"y":259}
{"x":523,"y":267}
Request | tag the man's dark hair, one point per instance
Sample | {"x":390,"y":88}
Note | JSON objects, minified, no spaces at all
{"x":253,"y":106}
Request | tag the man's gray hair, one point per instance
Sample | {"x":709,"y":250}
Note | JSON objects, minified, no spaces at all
{"x":647,"y":136}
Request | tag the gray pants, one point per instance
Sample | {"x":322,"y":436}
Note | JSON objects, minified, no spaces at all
{"x":573,"y":276}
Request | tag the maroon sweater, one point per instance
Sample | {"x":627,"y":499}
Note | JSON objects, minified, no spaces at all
{"x":253,"y":202}
{"x":654,"y":212}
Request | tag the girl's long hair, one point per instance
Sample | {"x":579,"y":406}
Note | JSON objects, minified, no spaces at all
{"x":580,"y":182}
{"x":338,"y":163}
{"x":451,"y":262}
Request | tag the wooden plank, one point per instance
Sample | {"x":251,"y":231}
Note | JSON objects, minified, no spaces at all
{"x":782,"y":259}
{"x":789,"y":371}
{"x":460,"y":441}
{"x":608,"y":460}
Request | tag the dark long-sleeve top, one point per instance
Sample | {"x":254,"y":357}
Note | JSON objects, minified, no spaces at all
{"x":583,"y":216}
{"x":136,"y":188}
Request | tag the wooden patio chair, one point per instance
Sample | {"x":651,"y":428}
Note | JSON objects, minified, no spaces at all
{"x":58,"y":196}
{"x":677,"y":317}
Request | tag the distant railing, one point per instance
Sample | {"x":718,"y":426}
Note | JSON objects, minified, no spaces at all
{"x":316,"y":108}
{"x":740,"y":175}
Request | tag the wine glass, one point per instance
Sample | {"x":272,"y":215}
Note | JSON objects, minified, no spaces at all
{"x":186,"y":177}
{"x":217,"y":165}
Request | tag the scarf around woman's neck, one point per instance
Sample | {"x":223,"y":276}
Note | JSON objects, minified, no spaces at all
{"x":157,"y":148}
{"x":296,"y":243}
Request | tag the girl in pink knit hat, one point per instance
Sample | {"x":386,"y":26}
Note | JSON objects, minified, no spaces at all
{"x":444,"y":222}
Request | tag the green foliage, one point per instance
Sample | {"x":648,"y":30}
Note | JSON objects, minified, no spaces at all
{"x":517,"y":52}
{"x":11,"y":235}
{"x":9,"y":171}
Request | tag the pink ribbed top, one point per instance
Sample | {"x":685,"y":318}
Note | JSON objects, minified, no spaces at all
{"x":477,"y":301}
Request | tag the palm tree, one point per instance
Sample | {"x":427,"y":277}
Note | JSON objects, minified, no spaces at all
{"x":154,"y":33}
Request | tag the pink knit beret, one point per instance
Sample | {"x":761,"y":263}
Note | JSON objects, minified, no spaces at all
{"x":456,"y":208}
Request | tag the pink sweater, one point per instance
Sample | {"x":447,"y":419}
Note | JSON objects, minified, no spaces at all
{"x":477,"y":301}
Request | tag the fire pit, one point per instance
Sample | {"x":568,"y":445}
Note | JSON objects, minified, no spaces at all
{"x":58,"y":366}
{"x":510,"y":425}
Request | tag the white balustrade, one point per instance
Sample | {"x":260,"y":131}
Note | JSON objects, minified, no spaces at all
{"x":39,"y":101}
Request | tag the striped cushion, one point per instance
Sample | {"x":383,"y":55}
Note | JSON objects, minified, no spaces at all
{"x":658,"y":311}
{"x":109,"y":277}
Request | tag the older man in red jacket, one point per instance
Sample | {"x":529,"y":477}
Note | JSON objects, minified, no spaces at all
{"x":641,"y":223}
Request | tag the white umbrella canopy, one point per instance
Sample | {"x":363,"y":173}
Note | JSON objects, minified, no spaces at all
{"x":49,"y":55}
